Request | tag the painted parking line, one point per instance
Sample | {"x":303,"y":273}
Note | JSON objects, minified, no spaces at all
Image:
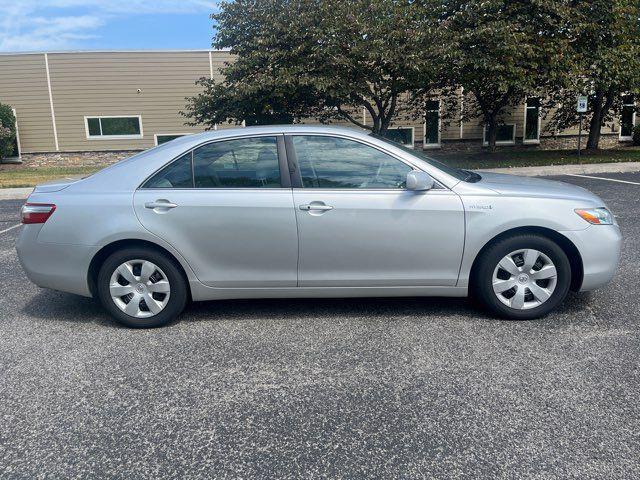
{"x":602,"y":178}
{"x":9,"y":229}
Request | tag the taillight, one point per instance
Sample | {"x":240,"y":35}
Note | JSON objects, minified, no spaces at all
{"x":37,"y":212}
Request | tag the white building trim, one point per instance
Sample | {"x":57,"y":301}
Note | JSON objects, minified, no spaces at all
{"x":53,"y":113}
{"x":461,"y":112}
{"x":438,"y":144}
{"x":156,"y":135}
{"x":413,"y":133}
{"x":15,"y":115}
{"x":524,"y":125}
{"x":627,"y":138}
{"x":503,"y":142}
{"x":149,"y":50}
{"x":112,"y":137}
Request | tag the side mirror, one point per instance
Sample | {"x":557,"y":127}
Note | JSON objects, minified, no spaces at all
{"x":419,"y":181}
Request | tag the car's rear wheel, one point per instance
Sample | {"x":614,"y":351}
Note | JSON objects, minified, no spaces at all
{"x":522,"y":277}
{"x":141,"y":288}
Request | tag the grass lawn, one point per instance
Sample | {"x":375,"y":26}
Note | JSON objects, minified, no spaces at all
{"x":531,"y":158}
{"x":12,"y":176}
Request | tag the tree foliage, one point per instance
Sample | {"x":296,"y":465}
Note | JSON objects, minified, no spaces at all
{"x":605,"y":52}
{"x":502,"y":51}
{"x":330,"y":59}
{"x":326,"y":59}
{"x":7,"y":131}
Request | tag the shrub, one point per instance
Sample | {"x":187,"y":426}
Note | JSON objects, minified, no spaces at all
{"x":636,"y":135}
{"x":7,"y":131}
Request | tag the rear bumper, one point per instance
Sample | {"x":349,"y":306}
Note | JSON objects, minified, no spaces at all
{"x":57,"y":266}
{"x":599,"y":247}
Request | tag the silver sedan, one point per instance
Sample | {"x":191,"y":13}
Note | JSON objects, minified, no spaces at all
{"x":305,"y":211}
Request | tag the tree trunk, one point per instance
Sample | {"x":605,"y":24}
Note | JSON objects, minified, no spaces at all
{"x":595,"y":124}
{"x":492,"y":133}
{"x":377,"y":126}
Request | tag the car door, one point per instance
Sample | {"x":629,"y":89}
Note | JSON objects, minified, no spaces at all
{"x":227,"y":207}
{"x":358,"y":225}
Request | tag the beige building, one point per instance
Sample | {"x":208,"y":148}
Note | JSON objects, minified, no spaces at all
{"x":68,"y":102}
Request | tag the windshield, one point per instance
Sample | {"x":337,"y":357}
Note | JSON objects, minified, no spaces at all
{"x":460,"y":174}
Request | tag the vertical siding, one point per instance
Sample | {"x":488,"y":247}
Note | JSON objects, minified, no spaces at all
{"x":107,"y":83}
{"x":23,"y":85}
{"x":94,"y":84}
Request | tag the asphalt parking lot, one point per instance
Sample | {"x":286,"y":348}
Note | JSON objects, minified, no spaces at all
{"x":375,"y":388}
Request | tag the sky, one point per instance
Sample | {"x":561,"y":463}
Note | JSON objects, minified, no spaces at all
{"x":49,"y":25}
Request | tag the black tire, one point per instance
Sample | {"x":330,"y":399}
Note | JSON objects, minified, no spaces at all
{"x":177,"y":298}
{"x":482,"y":276}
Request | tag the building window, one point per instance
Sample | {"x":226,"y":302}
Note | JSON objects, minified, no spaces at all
{"x":505,"y":135}
{"x":532,"y":121}
{"x":402,"y":135}
{"x":164,"y":138}
{"x":627,"y":118}
{"x":113,"y":127}
{"x":432,"y":124}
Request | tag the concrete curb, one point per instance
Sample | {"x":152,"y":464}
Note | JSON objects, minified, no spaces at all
{"x":14,"y":193}
{"x":585,"y":169}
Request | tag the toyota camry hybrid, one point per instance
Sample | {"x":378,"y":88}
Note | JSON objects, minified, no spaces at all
{"x":311,"y":211}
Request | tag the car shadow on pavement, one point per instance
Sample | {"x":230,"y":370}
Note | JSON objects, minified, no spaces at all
{"x":64,"y":307}
{"x":310,"y":308}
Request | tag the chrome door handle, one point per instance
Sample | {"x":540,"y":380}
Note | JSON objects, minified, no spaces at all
{"x":160,"y":204}
{"x":315,"y":207}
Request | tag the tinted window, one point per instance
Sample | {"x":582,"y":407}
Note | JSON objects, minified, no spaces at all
{"x":432,"y":123}
{"x":113,"y":126}
{"x":94,"y":126}
{"x":628,"y":117}
{"x":246,"y":162}
{"x":329,"y":162}
{"x":160,"y":139}
{"x":400,"y":135}
{"x":175,"y":175}
{"x":532,"y":112}
{"x":504,"y":133}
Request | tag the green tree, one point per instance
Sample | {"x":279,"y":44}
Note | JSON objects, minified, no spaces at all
{"x":605,"y":53}
{"x":501,"y":52}
{"x":7,"y":131}
{"x":323,"y":59}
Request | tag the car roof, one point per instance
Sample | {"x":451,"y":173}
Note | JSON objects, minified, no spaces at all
{"x":273,"y":129}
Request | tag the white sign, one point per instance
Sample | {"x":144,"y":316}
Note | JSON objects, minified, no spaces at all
{"x":582,"y":104}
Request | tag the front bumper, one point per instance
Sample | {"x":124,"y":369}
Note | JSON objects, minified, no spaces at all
{"x":60,"y":267}
{"x":599,"y":247}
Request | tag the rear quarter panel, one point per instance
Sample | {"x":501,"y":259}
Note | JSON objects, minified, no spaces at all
{"x":90,"y":221}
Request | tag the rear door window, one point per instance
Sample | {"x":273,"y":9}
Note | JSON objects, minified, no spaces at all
{"x":241,"y":163}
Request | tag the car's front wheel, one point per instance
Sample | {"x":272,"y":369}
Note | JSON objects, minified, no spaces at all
{"x":522,"y":277}
{"x":141,"y":288}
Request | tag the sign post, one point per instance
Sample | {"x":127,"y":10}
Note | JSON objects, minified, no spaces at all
{"x":581,"y":108}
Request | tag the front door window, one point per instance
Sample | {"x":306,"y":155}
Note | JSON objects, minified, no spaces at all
{"x":338,"y":163}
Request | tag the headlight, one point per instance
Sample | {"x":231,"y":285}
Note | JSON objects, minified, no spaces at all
{"x":596,"y":216}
